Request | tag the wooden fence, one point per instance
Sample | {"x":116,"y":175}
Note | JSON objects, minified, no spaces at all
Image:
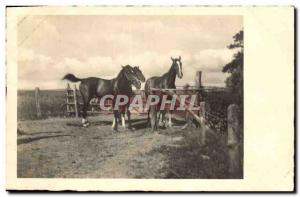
{"x":234,"y":133}
{"x":207,"y":119}
{"x":74,"y":105}
{"x":233,"y":125}
{"x":37,"y":102}
{"x":72,"y":101}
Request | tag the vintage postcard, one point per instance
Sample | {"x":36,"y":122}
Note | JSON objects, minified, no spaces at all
{"x":150,"y":98}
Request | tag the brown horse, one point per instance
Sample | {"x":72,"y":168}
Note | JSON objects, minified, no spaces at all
{"x":140,"y":77}
{"x":166,"y":81}
{"x":96,"y":87}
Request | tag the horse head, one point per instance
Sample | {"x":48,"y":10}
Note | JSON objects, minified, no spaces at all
{"x":177,"y":65}
{"x":139,"y":74}
{"x":130,"y":75}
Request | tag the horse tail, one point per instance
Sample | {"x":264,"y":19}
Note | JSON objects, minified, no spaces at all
{"x":71,"y":78}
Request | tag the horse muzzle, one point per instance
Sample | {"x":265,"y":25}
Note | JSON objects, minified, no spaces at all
{"x":137,"y":84}
{"x":180,"y":75}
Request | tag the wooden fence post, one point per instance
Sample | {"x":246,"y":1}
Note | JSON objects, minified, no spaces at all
{"x":198,"y":85}
{"x":202,"y":126}
{"x":37,"y":102}
{"x":75,"y":101}
{"x":198,"y":82}
{"x":233,"y":142}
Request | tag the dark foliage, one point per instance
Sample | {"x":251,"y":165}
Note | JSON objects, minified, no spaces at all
{"x":234,"y":82}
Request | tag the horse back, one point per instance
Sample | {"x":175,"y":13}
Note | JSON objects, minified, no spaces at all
{"x":97,"y":86}
{"x":157,"y":82}
{"x":104,"y":87}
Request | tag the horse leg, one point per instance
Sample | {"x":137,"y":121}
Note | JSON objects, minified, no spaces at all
{"x":159,"y":118}
{"x":170,"y":118}
{"x":115,"y":121}
{"x":85,"y":122}
{"x":129,"y":120}
{"x":123,"y":120}
{"x":153,"y":114}
{"x":163,"y":115}
{"x":86,"y":99}
{"x":148,"y":118}
{"x":120,"y":118}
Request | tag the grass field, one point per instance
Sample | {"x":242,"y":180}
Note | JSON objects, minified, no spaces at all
{"x":61,"y":147}
{"x":51,"y":102}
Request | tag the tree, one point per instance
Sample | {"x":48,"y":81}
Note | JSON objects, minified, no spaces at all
{"x":235,"y":81}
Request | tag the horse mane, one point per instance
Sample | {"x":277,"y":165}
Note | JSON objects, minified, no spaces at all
{"x":169,"y":71}
{"x":121,"y":72}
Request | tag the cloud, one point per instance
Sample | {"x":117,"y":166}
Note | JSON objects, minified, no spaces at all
{"x":98,"y":46}
{"x":213,"y":59}
{"x":34,"y":67}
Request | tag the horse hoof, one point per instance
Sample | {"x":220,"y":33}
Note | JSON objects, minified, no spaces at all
{"x":184,"y":127}
{"x":161,"y":124}
{"x":114,"y":129}
{"x":131,"y":129}
{"x":154,"y":129}
{"x":85,"y":125}
{"x":156,"y":132}
{"x":121,"y":129}
{"x":162,"y":127}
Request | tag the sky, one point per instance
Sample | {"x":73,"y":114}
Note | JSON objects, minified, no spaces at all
{"x":51,"y":46}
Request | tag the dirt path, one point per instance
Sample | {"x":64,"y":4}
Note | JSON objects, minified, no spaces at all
{"x":62,"y":148}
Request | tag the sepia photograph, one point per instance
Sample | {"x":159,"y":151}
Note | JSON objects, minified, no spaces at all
{"x":146,"y":96}
{"x":64,"y":132}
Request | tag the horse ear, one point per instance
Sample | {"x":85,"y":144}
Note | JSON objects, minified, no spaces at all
{"x":179,"y":58}
{"x":122,"y":66}
{"x":172,"y":58}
